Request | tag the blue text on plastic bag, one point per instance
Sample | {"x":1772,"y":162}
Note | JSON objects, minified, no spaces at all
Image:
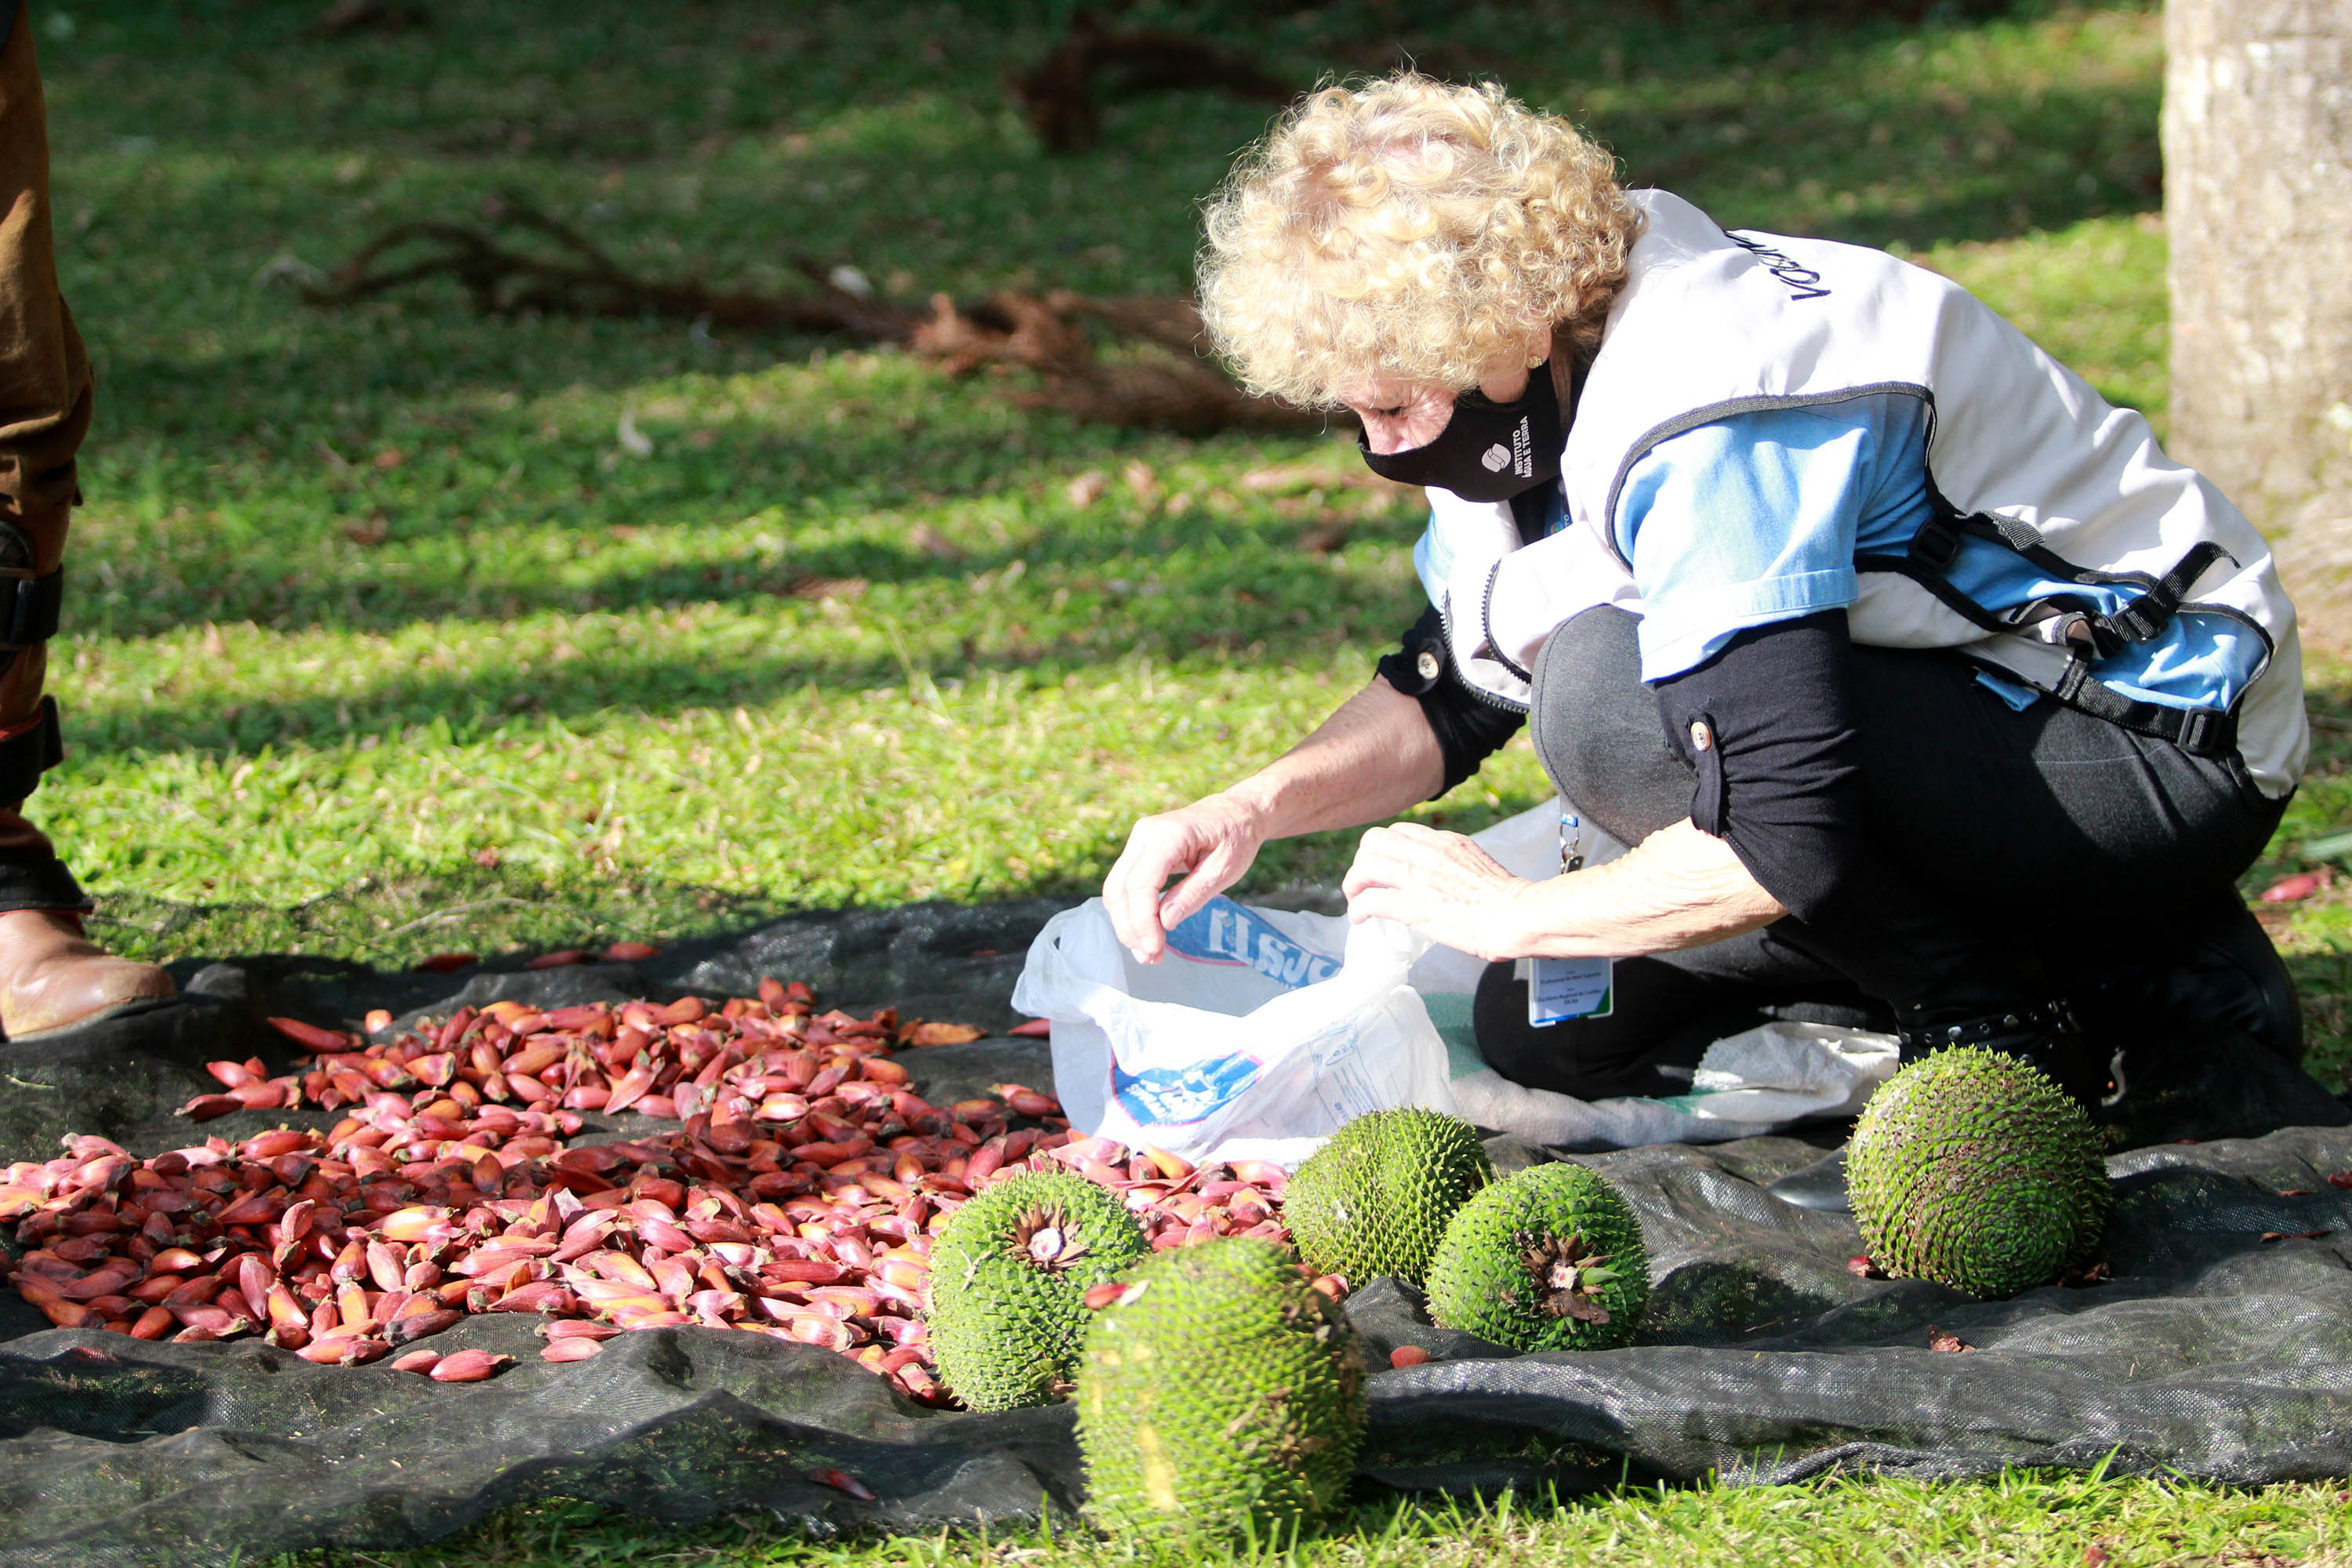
{"x":1176,"y":1097}
{"x":1222,"y":931}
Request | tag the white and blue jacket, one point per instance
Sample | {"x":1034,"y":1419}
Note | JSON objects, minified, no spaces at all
{"x":1774,"y":426}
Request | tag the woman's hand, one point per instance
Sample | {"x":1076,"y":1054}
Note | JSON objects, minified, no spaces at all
{"x":1210,"y":843}
{"x":1440,"y":884}
{"x":1373,"y":758}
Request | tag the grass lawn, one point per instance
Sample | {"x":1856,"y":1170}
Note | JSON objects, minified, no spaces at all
{"x":2028,"y":1521}
{"x":386,"y":639}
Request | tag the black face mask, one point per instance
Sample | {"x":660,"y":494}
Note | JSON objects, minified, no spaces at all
{"x":1488,"y":451}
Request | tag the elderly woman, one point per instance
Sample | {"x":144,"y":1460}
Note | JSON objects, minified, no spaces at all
{"x":1928,"y":689}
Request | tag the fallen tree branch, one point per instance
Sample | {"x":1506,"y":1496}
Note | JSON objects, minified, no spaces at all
{"x":582,"y":280}
{"x":1163,"y":381}
{"x":1061,"y":95}
{"x":1158,"y":373}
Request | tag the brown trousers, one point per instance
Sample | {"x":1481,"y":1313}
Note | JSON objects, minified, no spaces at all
{"x":44,"y":408}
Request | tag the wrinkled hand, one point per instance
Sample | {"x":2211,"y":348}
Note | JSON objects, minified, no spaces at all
{"x":1210,"y":843}
{"x":1440,"y":884}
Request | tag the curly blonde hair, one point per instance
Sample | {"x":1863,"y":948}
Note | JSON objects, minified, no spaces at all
{"x":1409,"y":229}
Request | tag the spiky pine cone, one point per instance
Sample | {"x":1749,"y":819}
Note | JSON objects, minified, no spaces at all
{"x":1549,"y":1259}
{"x":1220,"y":1398}
{"x":1974,"y":1170}
{"x":1009,"y":1272}
{"x":1375,"y":1199}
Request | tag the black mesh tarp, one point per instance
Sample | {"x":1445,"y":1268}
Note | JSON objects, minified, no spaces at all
{"x":2222,"y":1347}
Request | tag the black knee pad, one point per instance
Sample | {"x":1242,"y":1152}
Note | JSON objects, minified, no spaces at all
{"x":1597,"y":731}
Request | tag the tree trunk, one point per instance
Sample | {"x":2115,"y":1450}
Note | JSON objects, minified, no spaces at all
{"x":2258,"y":200}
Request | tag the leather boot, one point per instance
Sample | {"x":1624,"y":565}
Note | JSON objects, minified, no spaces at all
{"x":52,"y":976}
{"x":2045,"y":1035}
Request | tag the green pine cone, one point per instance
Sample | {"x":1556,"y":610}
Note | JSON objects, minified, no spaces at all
{"x":1974,"y":1170}
{"x":1375,"y":1199}
{"x":1548,"y":1259}
{"x":1220,"y":1398}
{"x":1009,"y":1272}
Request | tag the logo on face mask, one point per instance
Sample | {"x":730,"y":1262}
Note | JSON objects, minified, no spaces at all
{"x":1488,"y":451}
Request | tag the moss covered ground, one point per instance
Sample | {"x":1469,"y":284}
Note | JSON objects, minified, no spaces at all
{"x":398,"y":630}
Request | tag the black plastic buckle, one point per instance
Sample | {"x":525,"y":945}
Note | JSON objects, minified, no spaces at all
{"x":2107,"y":639}
{"x":2138,"y":621}
{"x":2204,"y":731}
{"x":1937,"y":545}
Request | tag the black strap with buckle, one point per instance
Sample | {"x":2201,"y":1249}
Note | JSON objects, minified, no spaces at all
{"x":2148,"y":614}
{"x":2199,"y":731}
{"x":1937,"y":545}
{"x":25,"y":757}
{"x":29,"y":607}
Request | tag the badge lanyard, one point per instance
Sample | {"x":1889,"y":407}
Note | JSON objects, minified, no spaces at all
{"x":1561,"y":988}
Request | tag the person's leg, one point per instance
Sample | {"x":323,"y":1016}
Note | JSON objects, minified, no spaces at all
{"x":2115,"y":850}
{"x":1597,"y":731}
{"x":1989,"y":828}
{"x":1663,"y":1017}
{"x":50,"y":975}
{"x":1994,"y":832}
{"x":2048,"y":816}
{"x":2114,"y":853}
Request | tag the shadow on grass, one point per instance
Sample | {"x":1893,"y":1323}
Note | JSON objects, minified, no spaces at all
{"x":724,"y":136}
{"x":195,"y":143}
{"x":504,"y":914}
{"x":1738,"y":96}
{"x":884,"y":136}
{"x":393,"y":923}
{"x":511,"y":520}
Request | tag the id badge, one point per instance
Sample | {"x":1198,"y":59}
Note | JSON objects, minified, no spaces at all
{"x":1561,"y":988}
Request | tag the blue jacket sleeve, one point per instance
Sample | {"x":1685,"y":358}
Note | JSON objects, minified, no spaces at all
{"x":1757,"y":518}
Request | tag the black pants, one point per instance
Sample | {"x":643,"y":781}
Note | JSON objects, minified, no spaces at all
{"x":2010,"y":854}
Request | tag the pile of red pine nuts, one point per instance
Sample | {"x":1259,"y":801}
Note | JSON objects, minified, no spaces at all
{"x":798,"y":1199}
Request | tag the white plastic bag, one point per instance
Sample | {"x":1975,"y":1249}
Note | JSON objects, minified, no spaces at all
{"x":1264,"y":1030}
{"x":1258,"y":1034}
